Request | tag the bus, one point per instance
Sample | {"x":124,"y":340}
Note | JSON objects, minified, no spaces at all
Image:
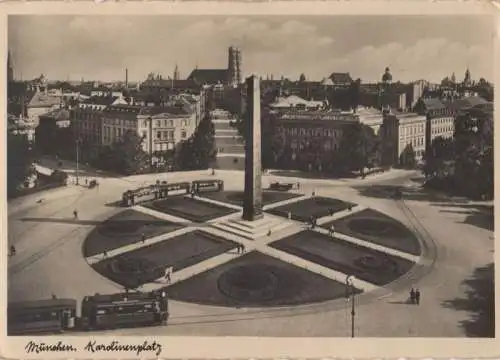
{"x":41,"y":316}
{"x":200,"y":186}
{"x":124,"y":309}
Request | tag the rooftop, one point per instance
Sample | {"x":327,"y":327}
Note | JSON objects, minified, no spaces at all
{"x":58,"y":115}
{"x":209,"y":76}
{"x":40,"y":100}
{"x":341,"y":78}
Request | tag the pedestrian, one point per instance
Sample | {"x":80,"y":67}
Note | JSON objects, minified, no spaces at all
{"x":412,"y":295}
{"x":86,"y":182}
{"x":143,"y":237}
{"x":213,"y":171}
{"x":298,"y":186}
{"x":54,"y":296}
{"x":105,"y":254}
{"x":332,"y":230}
{"x":314,"y":193}
{"x":75,"y":214}
{"x":269,"y":232}
{"x":12,"y":250}
{"x":330,"y":211}
{"x":168,"y":274}
{"x":289,"y":215}
{"x":417,"y":296}
{"x":350,"y":207}
{"x":242,"y":248}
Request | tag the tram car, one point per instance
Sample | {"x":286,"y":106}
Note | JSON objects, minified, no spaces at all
{"x":42,"y":316}
{"x":124,"y":310}
{"x":211,"y":185}
{"x":97,"y":312}
{"x":162,"y":190}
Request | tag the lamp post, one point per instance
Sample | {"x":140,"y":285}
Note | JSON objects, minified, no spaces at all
{"x":77,"y":160}
{"x":349,"y":281}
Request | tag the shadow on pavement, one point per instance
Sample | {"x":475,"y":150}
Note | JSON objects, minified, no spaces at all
{"x":311,"y":175}
{"x":95,"y":222}
{"x":479,"y":302}
{"x":479,"y":215}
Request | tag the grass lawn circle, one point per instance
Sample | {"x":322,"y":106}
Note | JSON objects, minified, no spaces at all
{"x":250,"y":283}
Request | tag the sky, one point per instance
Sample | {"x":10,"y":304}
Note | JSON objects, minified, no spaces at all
{"x":100,"y":47}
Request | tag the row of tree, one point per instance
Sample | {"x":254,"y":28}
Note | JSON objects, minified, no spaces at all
{"x":359,"y":148}
{"x":20,"y":158}
{"x":198,"y":152}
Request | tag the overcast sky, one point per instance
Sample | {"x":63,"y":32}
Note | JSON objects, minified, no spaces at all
{"x":101,"y":47}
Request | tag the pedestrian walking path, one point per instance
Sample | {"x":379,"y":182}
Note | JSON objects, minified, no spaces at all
{"x":160,"y":215}
{"x":284,"y":202}
{"x":318,"y":269}
{"x":215,"y":202}
{"x":369,"y":245}
{"x":340,"y":214}
{"x":188,"y":272}
{"x":138,"y":245}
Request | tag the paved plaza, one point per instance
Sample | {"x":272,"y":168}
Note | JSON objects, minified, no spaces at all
{"x":290,"y":278}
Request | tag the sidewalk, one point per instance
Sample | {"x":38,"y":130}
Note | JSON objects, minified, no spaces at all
{"x":138,"y":245}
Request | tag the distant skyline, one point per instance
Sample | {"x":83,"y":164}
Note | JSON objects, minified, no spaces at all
{"x":101,"y":47}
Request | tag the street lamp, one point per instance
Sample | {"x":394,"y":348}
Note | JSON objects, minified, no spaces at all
{"x":77,"y":160}
{"x":349,"y":281}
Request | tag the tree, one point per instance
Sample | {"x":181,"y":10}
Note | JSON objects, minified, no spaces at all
{"x":302,"y":78}
{"x":125,"y":156}
{"x":437,"y":157}
{"x":198,"y":152}
{"x":408,"y":157}
{"x":359,"y":147}
{"x":20,"y":159}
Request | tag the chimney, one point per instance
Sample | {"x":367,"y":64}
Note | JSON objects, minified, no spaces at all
{"x":126,"y":78}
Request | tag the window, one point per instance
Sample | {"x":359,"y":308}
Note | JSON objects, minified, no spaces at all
{"x":158,"y":123}
{"x":158,"y":134}
{"x":183,"y":123}
{"x":171,"y":123}
{"x":183,"y":134}
{"x":171,"y":134}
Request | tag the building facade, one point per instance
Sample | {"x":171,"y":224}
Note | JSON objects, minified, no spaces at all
{"x":306,"y":139}
{"x":404,"y":134}
{"x":440,"y":119}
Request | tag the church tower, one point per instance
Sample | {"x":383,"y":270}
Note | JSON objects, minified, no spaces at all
{"x":467,"y":79}
{"x":234,"y":66}
{"x":176,"y":73}
{"x":385,"y":89}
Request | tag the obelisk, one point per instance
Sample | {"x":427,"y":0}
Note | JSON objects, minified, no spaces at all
{"x":252,"y":199}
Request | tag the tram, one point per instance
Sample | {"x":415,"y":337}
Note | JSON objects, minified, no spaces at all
{"x":124,"y":309}
{"x":201,"y":186}
{"x":165,"y":189}
{"x":98,"y":312}
{"x":41,"y":316}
